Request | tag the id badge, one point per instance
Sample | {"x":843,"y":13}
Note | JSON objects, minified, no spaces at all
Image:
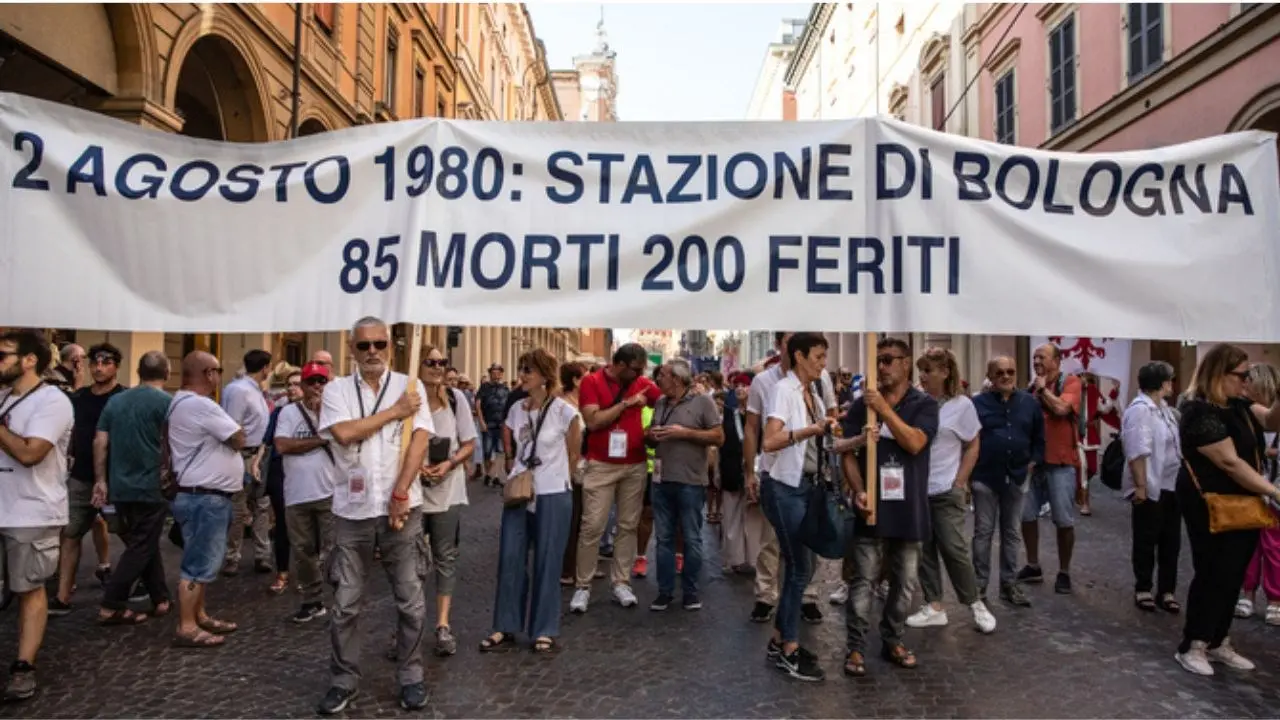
{"x":892,"y":482}
{"x":657,"y":471}
{"x":357,"y":489}
{"x":617,"y":444}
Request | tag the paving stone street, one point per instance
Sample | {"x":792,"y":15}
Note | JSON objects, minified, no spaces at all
{"x":1091,"y":654}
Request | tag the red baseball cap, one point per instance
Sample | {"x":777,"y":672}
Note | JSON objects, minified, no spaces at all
{"x":313,"y":370}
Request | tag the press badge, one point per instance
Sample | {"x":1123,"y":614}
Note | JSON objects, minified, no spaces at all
{"x":657,"y":471}
{"x":892,"y":482}
{"x":617,"y":444}
{"x":356,"y":487}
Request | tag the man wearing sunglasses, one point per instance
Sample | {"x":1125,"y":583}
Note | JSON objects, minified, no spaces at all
{"x":35,"y":431}
{"x":1011,"y":445}
{"x":377,"y":503}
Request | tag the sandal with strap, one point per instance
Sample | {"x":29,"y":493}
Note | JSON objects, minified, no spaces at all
{"x":1169,"y":604}
{"x":121,"y":617}
{"x":161,"y":608}
{"x":280,"y":585}
{"x":1144,"y":602}
{"x":217,"y":627}
{"x":201,"y":639}
{"x":902,"y":657}
{"x":496,"y":641}
{"x":545,"y":645}
{"x":855,"y":665}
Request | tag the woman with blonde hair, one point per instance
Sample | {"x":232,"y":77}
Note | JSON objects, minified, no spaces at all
{"x":1222,"y":445}
{"x":952,"y":456}
{"x":1264,"y":570}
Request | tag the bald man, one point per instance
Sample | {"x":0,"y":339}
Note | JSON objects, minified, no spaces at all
{"x":323,"y":357}
{"x":204,"y":446}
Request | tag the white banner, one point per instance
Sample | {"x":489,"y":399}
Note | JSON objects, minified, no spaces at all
{"x":849,"y":225}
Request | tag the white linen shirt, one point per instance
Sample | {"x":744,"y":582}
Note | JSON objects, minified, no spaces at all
{"x":1150,"y":431}
{"x":760,"y":401}
{"x":198,"y":450}
{"x":36,"y":496}
{"x":787,"y":465}
{"x":379,"y":454}
{"x":458,"y":428}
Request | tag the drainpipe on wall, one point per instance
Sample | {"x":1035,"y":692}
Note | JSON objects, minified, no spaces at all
{"x":297,"y":70}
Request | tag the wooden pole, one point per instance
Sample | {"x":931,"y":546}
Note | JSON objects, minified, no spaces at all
{"x":406,"y":434}
{"x":871,"y":380}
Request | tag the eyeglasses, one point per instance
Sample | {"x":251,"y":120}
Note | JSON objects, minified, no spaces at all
{"x":216,"y":369}
{"x":364,"y":345}
{"x":435,"y":363}
{"x":888,"y":359}
{"x":1005,"y":373}
{"x":317,"y":381}
{"x":1243,"y":375}
{"x":526,"y":370}
{"x":6,"y":354}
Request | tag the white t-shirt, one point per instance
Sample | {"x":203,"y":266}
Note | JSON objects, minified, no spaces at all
{"x":957,"y":424}
{"x":787,"y":465}
{"x":379,"y":455}
{"x":198,"y":432}
{"x":308,"y":476}
{"x":243,"y":400}
{"x":36,"y":496}
{"x":552,"y":475}
{"x":760,"y":400}
{"x":453,"y":489}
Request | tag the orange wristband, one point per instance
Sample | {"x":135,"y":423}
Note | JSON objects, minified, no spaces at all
{"x":400,"y":498}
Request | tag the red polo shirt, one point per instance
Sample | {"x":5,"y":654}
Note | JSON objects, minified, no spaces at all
{"x":602,"y":391}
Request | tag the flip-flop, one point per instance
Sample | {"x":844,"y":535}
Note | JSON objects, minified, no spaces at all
{"x":121,"y":617}
{"x":1170,"y":605}
{"x":217,"y":627}
{"x":162,"y":608}
{"x":202,"y":639}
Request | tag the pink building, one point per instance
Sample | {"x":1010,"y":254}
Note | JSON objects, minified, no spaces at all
{"x":1127,"y":76}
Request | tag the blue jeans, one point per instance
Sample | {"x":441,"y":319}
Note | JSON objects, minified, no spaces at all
{"x":547,"y":530}
{"x":784,"y":508}
{"x":678,"y":502}
{"x":491,"y":442}
{"x":204,"y":520}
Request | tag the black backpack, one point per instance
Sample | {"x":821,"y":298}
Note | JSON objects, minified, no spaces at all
{"x":1112,"y":470}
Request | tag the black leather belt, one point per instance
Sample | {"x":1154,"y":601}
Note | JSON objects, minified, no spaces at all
{"x":249,"y":452}
{"x":206,"y":491}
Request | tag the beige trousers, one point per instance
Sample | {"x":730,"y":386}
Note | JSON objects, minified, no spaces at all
{"x":745,"y":530}
{"x":602,"y":485}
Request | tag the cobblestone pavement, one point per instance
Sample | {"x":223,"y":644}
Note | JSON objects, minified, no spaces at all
{"x":1091,"y":654}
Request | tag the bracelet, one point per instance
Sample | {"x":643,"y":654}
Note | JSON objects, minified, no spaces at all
{"x":399,"y":498}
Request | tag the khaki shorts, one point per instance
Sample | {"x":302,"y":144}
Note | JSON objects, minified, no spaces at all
{"x":80,"y":510}
{"x":30,"y":557}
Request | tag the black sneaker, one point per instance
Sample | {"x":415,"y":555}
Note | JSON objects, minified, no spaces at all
{"x":660,"y":603}
{"x":57,"y":608}
{"x":22,"y":682}
{"x":1031,"y":574}
{"x":810,"y":613}
{"x":761,"y":613}
{"x":691,"y":602}
{"x":309,"y":612}
{"x":103,"y":573}
{"x":336,"y":700}
{"x":773,"y":650}
{"x":1062,"y":585}
{"x":1013,"y":595}
{"x":414,"y":697}
{"x":801,"y":665}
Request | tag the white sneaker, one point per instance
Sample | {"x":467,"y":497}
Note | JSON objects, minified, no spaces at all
{"x":1228,"y":656}
{"x":624,"y":596}
{"x":578,"y":604}
{"x":982,"y":618}
{"x":1273,"y":614}
{"x":840,"y":595}
{"x":928,"y":617}
{"x":1194,"y":659}
{"x":1244,"y":608}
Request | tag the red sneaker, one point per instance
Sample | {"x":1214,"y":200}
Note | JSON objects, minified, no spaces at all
{"x":641,"y":567}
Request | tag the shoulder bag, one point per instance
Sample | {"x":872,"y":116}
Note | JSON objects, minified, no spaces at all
{"x":1228,"y":513}
{"x":519,"y":490}
{"x":168,"y":478}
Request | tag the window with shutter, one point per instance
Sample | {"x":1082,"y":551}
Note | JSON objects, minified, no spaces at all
{"x":324,"y":15}
{"x":938,"y":100}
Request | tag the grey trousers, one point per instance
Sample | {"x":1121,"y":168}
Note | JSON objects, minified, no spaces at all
{"x":947,"y":512}
{"x":404,"y":558}
{"x":442,"y":531}
{"x":310,"y":538}
{"x":992,"y":506}
{"x":903,"y":558}
{"x":253,"y":500}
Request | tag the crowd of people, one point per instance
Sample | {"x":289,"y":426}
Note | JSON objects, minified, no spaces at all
{"x":327,"y":473}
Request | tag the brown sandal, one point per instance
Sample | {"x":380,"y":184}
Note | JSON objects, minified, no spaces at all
{"x":855,"y":665}
{"x":217,"y":627}
{"x":280,"y":585}
{"x":902,"y":657}
{"x":121,"y":617}
{"x":161,"y":608}
{"x":201,"y":639}
{"x":545,"y":646}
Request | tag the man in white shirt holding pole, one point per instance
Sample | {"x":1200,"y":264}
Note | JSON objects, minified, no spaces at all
{"x":376,"y":503}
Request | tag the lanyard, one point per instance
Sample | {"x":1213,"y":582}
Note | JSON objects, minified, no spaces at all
{"x":672,"y":408}
{"x":377,"y":403}
{"x":8,"y":409}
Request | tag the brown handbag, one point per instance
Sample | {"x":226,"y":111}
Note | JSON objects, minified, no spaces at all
{"x":1228,"y":513}
{"x":519,"y":490}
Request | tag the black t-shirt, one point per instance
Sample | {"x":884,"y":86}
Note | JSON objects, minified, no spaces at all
{"x":88,"y":408}
{"x":493,"y":398}
{"x":906,"y":519}
{"x":1204,"y":423}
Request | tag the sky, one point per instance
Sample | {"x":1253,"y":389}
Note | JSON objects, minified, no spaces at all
{"x":676,"y":61}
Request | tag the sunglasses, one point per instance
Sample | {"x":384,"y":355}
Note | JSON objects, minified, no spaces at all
{"x":364,"y":345}
{"x":104,"y":360}
{"x":525,"y":370}
{"x":317,"y":381}
{"x":6,"y":354}
{"x":1243,"y":375}
{"x":216,"y":369}
{"x":1005,"y":373}
{"x":435,"y":363}
{"x":888,"y":359}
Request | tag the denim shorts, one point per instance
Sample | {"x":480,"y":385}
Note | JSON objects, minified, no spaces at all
{"x":1056,"y":485}
{"x":204,"y":520}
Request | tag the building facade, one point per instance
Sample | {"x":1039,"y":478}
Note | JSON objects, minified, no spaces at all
{"x":223,"y":72}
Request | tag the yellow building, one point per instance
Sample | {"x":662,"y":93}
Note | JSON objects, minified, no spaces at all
{"x":224,"y":72}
